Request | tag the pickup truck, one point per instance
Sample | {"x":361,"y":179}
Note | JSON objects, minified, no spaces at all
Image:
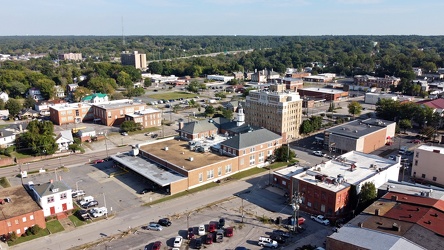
{"x":321,"y":219}
{"x":220,"y":235}
{"x":98,"y":212}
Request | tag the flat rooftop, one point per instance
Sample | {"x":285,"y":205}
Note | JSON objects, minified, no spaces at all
{"x":179,"y":154}
{"x":435,"y":149}
{"x":413,"y":189}
{"x":290,"y":171}
{"x":324,"y":90}
{"x":144,"y":112}
{"x":21,"y":202}
{"x":117,"y":104}
{"x":70,"y":106}
{"x":359,"y":128}
{"x":155,"y":173}
{"x":366,"y":166}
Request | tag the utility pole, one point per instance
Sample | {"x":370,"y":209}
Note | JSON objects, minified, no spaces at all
{"x":242,"y":209}
{"x":104,"y":202}
{"x":297,"y":199}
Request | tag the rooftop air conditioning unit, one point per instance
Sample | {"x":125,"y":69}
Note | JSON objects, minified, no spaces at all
{"x":191,"y":159}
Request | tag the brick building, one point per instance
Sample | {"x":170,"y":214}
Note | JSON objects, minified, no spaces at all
{"x":71,"y":56}
{"x":379,"y":82}
{"x":18,"y":211}
{"x":323,"y":93}
{"x":426,"y":167}
{"x":360,"y":135}
{"x":133,"y":59}
{"x":70,"y":113}
{"x":148,"y":118}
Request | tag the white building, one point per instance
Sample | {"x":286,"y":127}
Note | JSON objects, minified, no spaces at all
{"x":64,"y":139}
{"x":373,"y":98}
{"x":428,"y":164}
{"x":220,"y":78}
{"x":53,"y":197}
{"x":60,"y":92}
{"x":35,"y":94}
{"x":4,"y":96}
{"x":7,"y":138}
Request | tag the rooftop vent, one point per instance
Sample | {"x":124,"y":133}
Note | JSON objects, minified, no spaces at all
{"x":191,"y":159}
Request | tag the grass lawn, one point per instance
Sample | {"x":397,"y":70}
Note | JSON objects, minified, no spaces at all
{"x":54,"y":226}
{"x":172,"y":95}
{"x":254,"y":171}
{"x":4,"y":182}
{"x":77,"y":222}
{"x":21,"y":155}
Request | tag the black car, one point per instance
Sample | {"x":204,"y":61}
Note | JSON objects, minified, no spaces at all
{"x":281,"y":233}
{"x":198,"y":243}
{"x":221,"y":222}
{"x":280,"y":239}
{"x":83,"y":214}
{"x":90,"y":204}
{"x":164,"y":222}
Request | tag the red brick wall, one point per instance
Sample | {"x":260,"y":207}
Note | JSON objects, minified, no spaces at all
{"x":16,"y":223}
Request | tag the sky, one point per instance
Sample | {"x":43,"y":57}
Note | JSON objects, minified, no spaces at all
{"x":221,"y":17}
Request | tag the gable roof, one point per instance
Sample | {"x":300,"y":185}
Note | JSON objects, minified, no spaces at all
{"x":92,"y":96}
{"x":198,"y":127}
{"x":65,"y":135}
{"x":51,"y":188}
{"x":434,"y":104}
{"x":250,"y":139}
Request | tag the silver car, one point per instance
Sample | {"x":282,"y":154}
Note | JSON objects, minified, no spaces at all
{"x":154,"y":226}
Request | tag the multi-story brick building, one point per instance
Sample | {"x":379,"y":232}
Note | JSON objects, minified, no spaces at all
{"x":135,"y":59}
{"x":108,"y":113}
{"x":147,"y":118}
{"x":277,"y":111}
{"x":18,"y":211}
{"x":379,"y":82}
{"x":360,"y":135}
{"x":326,"y":187}
{"x":428,"y":164}
{"x":323,"y":93}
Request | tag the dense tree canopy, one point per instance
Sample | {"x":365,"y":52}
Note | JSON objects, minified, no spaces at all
{"x":39,"y":139}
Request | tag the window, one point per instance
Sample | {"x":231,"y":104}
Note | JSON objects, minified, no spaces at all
{"x":242,"y":161}
{"x":219,"y":171}
{"x":434,"y":178}
{"x":9,"y":223}
{"x":252,"y":160}
{"x":210,"y":174}
{"x":19,"y":232}
{"x":228,"y":169}
{"x":24,"y":219}
{"x":270,"y":152}
{"x":77,"y":112}
{"x":31,"y":217}
{"x":252,"y":150}
{"x":423,"y":175}
{"x":62,"y":196}
{"x":416,"y":162}
{"x":245,"y":151}
{"x":261,"y":157}
{"x":417,"y":154}
{"x":322,"y":208}
{"x":200,"y":177}
{"x":308,"y":204}
{"x":284,"y":183}
{"x":16,"y":222}
{"x":50,"y":199}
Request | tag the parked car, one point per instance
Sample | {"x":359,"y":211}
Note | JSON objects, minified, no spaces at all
{"x":190,"y":233}
{"x":85,"y":200}
{"x":209,"y":238}
{"x":267,"y":242}
{"x":321,"y":219}
{"x":278,"y":238}
{"x":416,"y":141}
{"x":154,"y":226}
{"x":178,"y":241}
{"x":221,"y":223}
{"x":198,"y":243}
{"x":392,"y":157}
{"x":281,"y":233}
{"x":157,"y":245}
{"x":90,"y":204}
{"x":219,"y":235}
{"x":164,"y":222}
{"x":318,"y":153}
{"x":229,"y":231}
{"x":201,"y":230}
{"x":99,"y":161}
{"x":124,"y":133}
{"x":145,"y":190}
{"x":83,"y":214}
{"x":212,"y":227}
{"x":98,"y":212}
{"x":77,"y":193}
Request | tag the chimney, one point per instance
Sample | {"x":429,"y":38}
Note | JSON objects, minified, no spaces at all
{"x":394,"y":198}
{"x":361,"y":224}
{"x":396,"y":227}
{"x":377,"y":212}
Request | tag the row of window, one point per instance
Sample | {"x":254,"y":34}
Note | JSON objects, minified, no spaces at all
{"x":210,"y":173}
{"x":50,"y":199}
{"x":24,"y":219}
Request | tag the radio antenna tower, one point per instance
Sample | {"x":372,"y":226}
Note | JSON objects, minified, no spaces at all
{"x":123,"y":36}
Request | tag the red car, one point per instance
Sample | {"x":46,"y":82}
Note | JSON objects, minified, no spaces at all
{"x":229,"y":232}
{"x":157,"y":245}
{"x":99,"y":161}
{"x":212,"y":227}
{"x":301,"y":220}
{"x":190,"y":233}
{"x":416,"y":141}
{"x":209,"y":238}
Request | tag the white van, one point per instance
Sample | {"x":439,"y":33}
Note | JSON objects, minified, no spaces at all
{"x":85,"y":200}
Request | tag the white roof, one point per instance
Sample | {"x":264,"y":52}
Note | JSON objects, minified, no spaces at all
{"x":324,"y":90}
{"x":432,"y":148}
{"x":366,"y":166}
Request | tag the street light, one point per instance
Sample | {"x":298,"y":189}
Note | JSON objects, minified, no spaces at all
{"x":77,"y":186}
{"x":104,"y":202}
{"x":297,"y":199}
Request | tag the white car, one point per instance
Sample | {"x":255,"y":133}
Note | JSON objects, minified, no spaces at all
{"x":98,"y":212}
{"x":318,"y":153}
{"x":201,"y":230}
{"x":321,"y":219}
{"x":267,"y":242}
{"x":178,"y":241}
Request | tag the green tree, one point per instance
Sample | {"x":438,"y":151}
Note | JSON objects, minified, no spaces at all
{"x":102,"y":85}
{"x":354,"y":108}
{"x":209,"y":110}
{"x":130,"y":126}
{"x":306,"y":127}
{"x":368,"y":192}
{"x":117,"y":96}
{"x":147,"y":82}
{"x":331,"y":108}
{"x":39,"y":139}
{"x":124,"y":80}
{"x":2,"y":104}
{"x":46,"y":87}
{"x":29,"y":102}
{"x":14,"y":107}
{"x":220,"y":95}
{"x":227,"y":113}
{"x":81,"y":92}
{"x":282,"y":154}
{"x":405,"y":124}
{"x":195,"y":86}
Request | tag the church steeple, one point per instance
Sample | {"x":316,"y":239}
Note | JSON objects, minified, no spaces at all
{"x":240,"y":116}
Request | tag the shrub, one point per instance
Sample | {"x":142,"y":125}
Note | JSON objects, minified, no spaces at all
{"x":35,"y":229}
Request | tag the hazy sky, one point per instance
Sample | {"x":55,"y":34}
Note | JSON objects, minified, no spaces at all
{"x":221,"y":17}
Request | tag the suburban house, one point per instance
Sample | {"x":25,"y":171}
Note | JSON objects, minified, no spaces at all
{"x":43,"y":106}
{"x":19,"y":211}
{"x":437,"y":105}
{"x":4,"y":114}
{"x":59,"y":91}
{"x":53,"y":197}
{"x":35,"y":94}
{"x":64,"y":139}
{"x":28,"y":113}
{"x":7,"y":138}
{"x":95,"y":98}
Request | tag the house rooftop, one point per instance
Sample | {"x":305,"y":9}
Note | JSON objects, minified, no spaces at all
{"x":20,"y":202}
{"x":50,"y":187}
{"x":359,"y":128}
{"x":179,"y":154}
{"x":352,"y":167}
